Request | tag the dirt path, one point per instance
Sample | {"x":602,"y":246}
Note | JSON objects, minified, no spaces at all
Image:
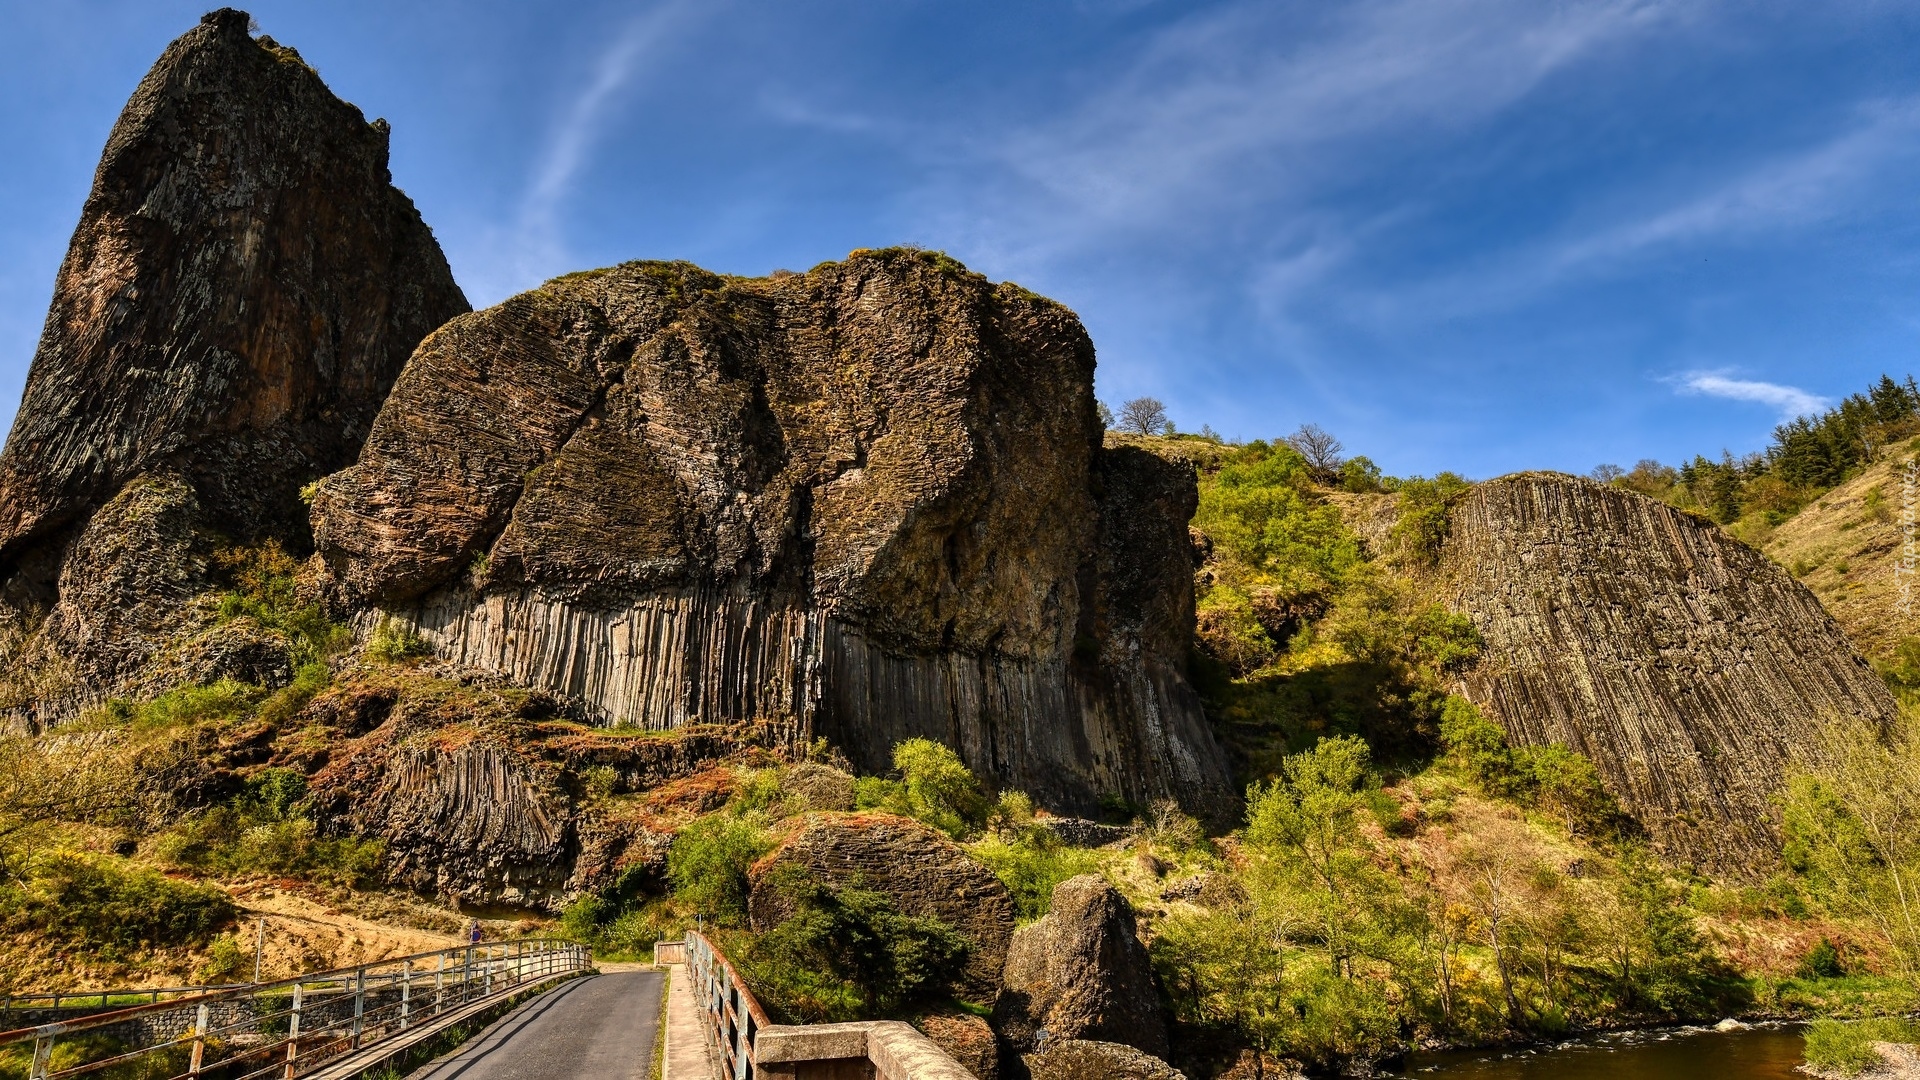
{"x":304,"y":934}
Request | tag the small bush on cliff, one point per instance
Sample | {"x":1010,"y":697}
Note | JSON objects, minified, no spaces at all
{"x":1030,"y":864}
{"x":395,"y":643}
{"x":264,"y":830}
{"x":708,"y":863}
{"x":934,"y":786}
{"x":849,"y":954}
{"x":1424,"y":520}
{"x":263,"y":583}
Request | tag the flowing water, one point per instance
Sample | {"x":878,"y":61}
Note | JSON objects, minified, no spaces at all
{"x":1759,"y":1053}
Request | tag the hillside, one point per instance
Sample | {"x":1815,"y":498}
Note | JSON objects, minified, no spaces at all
{"x":1846,"y":546}
{"x":822,"y":610}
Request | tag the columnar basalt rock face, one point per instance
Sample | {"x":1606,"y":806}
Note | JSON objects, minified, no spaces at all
{"x":1684,"y":663}
{"x":243,"y":288}
{"x":868,"y":502}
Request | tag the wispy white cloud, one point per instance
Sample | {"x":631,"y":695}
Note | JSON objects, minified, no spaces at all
{"x":1790,"y":191}
{"x":534,"y":247}
{"x":1791,"y":401}
{"x":1258,"y":104}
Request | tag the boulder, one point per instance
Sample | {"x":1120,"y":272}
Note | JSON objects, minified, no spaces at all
{"x":1080,"y":972}
{"x":866,"y":503}
{"x":1689,"y":667}
{"x":1082,"y":1059}
{"x":243,"y":287}
{"x":966,"y":1039}
{"x":926,"y":874}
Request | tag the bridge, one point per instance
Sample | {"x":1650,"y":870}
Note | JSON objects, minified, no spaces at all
{"x":523,"y":1010}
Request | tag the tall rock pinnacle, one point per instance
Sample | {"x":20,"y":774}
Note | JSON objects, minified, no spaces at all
{"x":243,"y":288}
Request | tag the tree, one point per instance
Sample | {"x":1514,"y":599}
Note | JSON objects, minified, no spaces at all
{"x":1105,"y":414}
{"x":1143,"y":416}
{"x":1307,"y":821}
{"x":1607,"y":474}
{"x":1852,"y":819}
{"x":1321,"y":450}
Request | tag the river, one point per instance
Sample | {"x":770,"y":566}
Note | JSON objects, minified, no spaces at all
{"x":1759,"y":1053}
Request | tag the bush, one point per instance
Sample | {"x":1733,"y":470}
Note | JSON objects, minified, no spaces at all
{"x":1031,"y":866}
{"x":940,"y":789}
{"x":395,"y":643}
{"x":708,"y":863}
{"x":1424,"y":521}
{"x":226,"y":960}
{"x":187,"y":705}
{"x":1847,"y":1046}
{"x":110,"y":908}
{"x":264,"y":586}
{"x":848,"y":954}
{"x":1823,"y":961}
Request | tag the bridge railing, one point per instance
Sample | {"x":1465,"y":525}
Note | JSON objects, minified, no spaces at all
{"x":284,"y":1029}
{"x":732,"y":1016}
{"x":750,"y":1047}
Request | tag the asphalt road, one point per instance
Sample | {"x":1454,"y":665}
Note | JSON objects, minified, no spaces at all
{"x":597,"y":1028}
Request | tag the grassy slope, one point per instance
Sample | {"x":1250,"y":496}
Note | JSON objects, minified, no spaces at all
{"x":1845,"y":550}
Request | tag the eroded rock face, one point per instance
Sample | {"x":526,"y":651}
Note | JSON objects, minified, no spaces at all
{"x":1080,"y":972}
{"x":926,"y":874}
{"x":243,"y":288}
{"x":868,"y":502}
{"x":476,"y":790}
{"x":1684,"y":663}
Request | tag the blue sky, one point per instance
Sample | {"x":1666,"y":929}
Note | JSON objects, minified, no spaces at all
{"x":1479,"y":235}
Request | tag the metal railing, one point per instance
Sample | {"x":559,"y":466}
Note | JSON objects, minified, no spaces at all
{"x":727,"y":1007}
{"x":289,"y":1028}
{"x":98,"y":999}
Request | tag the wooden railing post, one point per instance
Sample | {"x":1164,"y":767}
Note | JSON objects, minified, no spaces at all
{"x":406,"y":993}
{"x":359,"y":1004}
{"x":199,"y":1040}
{"x":439,"y":982}
{"x":293,"y":1033}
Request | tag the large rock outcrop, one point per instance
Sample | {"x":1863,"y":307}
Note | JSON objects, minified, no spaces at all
{"x":1080,"y":972}
{"x":869,"y":502}
{"x":926,"y":875}
{"x":1688,"y":667}
{"x":243,"y":288}
{"x":480,"y":793}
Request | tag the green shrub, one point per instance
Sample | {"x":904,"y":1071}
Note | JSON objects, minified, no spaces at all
{"x":708,"y":863}
{"x":227,"y":960}
{"x":264,"y":586}
{"x":1847,"y":1046}
{"x":395,"y":643}
{"x":187,"y":705}
{"x":848,"y":954}
{"x":262,"y":831}
{"x":1031,"y":866}
{"x":111,"y":908}
{"x":1823,"y":961}
{"x":940,"y":789}
{"x":1424,"y":520}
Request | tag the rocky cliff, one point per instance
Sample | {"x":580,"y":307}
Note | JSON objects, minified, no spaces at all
{"x":243,"y":288}
{"x":866,"y":503}
{"x":1688,"y":666}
